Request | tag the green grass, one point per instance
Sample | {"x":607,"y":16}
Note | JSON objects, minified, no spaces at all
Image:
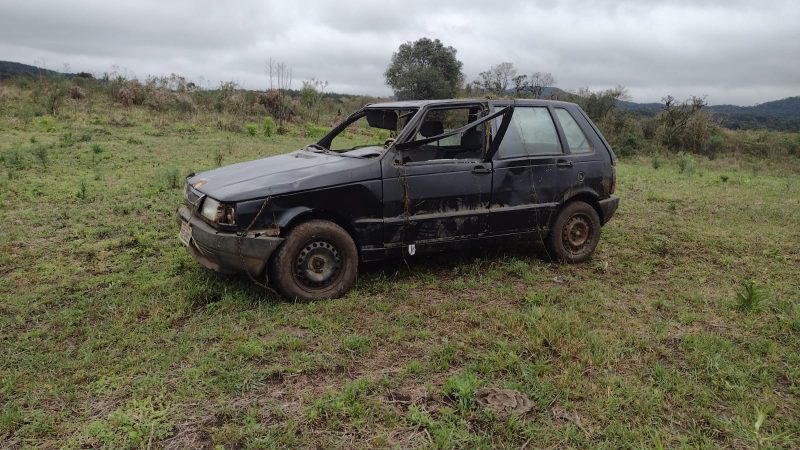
{"x":112,"y":336}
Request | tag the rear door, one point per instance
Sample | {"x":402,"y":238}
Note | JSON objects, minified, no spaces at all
{"x":526,"y":182}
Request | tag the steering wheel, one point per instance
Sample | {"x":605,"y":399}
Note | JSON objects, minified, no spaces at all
{"x":388,"y":142}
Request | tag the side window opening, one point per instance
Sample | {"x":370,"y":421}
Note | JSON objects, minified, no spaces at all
{"x":531,"y":132}
{"x":576,"y":138}
{"x":467,"y":145}
{"x":361,"y":133}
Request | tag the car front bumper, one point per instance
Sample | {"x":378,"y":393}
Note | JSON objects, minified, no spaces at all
{"x":227,"y":252}
{"x":609,"y":207}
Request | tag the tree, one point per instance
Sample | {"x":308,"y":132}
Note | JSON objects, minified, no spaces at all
{"x":599,"y":104}
{"x":497,"y":79}
{"x":424,"y":69}
{"x":539,"y":81}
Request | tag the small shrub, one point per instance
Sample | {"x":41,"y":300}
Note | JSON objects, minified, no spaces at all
{"x":172,"y":178}
{"x":97,"y":149}
{"x":251,"y":129}
{"x":269,"y":126}
{"x":723,"y":178}
{"x":81,"y":194}
{"x":686,"y":163}
{"x":76,"y":92}
{"x":656,"y":161}
{"x":12,"y":159}
{"x":218,"y":158}
{"x":40,"y":152}
{"x":461,"y":390}
{"x":66,"y":140}
{"x":750,"y":297}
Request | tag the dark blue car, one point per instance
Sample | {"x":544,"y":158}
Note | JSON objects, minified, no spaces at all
{"x":431,"y":176}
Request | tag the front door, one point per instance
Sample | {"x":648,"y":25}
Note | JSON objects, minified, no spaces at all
{"x":439,"y":190}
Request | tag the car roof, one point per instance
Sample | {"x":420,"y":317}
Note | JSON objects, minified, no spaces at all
{"x":455,"y":101}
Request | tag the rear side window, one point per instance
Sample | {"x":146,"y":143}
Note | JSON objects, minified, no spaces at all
{"x":576,"y":139}
{"x":530,"y":133}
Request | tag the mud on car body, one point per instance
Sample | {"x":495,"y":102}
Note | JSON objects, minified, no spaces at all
{"x":451,"y":174}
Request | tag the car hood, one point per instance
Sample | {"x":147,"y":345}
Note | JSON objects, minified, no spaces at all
{"x":297,"y":171}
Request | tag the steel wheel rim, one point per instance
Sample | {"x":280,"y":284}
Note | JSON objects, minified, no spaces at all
{"x":317,"y":265}
{"x":577,"y":234}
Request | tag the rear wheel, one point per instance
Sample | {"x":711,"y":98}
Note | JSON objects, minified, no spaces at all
{"x":575,"y":233}
{"x":318,"y":260}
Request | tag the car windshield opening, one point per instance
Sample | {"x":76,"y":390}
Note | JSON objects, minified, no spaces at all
{"x":375,"y":129}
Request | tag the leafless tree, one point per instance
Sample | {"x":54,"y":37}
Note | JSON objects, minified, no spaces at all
{"x":280,"y":73}
{"x":497,"y":79}
{"x":539,"y":81}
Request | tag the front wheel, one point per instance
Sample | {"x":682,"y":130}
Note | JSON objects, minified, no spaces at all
{"x":318,"y":260}
{"x":575,"y":233}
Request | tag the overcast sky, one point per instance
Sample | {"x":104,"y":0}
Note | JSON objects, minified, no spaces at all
{"x":741,"y":52}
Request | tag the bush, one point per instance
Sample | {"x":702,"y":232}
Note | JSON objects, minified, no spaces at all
{"x":76,"y":92}
{"x":40,"y":152}
{"x":686,"y":164}
{"x":313,"y":131}
{"x":656,"y":161}
{"x":269,"y":126}
{"x":251,"y":129}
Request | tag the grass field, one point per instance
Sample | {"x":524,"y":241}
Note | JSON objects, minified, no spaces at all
{"x":683,"y":330}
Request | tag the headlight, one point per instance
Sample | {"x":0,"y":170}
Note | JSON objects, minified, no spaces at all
{"x":218,"y":212}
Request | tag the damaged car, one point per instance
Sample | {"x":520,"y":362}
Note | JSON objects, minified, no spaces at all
{"x":401,"y":179}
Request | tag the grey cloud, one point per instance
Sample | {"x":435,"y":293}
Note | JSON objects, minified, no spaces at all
{"x":733,"y":51}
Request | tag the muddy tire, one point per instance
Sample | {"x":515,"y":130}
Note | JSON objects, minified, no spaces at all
{"x":318,"y":260}
{"x":575,"y":233}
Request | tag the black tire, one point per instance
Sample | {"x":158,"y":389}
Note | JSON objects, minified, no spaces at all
{"x":318,"y":260}
{"x":575,"y":233}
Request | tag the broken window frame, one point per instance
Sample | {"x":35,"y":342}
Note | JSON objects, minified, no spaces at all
{"x":327,"y":140}
{"x":506,"y":112}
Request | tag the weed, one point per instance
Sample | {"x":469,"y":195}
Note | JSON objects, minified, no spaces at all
{"x":686,"y":163}
{"x":81,"y":194}
{"x":751,"y":297}
{"x":172,"y":178}
{"x":134,"y":141}
{"x":269,"y":126}
{"x":40,"y":152}
{"x":461,"y":390}
{"x":135,"y":425}
{"x":218,"y":158}
{"x":656,"y":161}
{"x":251,"y":129}
{"x":723,"y":178}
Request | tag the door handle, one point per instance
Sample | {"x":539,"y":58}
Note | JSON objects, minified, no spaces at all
{"x":564,"y":163}
{"x":481,"y":170}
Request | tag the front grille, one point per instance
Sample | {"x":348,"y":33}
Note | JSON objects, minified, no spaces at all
{"x":192,"y":197}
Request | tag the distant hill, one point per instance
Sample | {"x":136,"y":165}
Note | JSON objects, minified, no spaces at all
{"x":10,"y":69}
{"x":783,"y":115}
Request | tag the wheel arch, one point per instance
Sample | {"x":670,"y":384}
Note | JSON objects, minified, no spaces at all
{"x":588,"y":197}
{"x":294,"y":217}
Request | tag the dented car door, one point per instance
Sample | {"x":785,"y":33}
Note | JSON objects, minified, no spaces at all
{"x":438,"y":186}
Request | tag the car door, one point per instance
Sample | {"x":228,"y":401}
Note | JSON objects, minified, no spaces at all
{"x":526,"y":181}
{"x":437,"y":187}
